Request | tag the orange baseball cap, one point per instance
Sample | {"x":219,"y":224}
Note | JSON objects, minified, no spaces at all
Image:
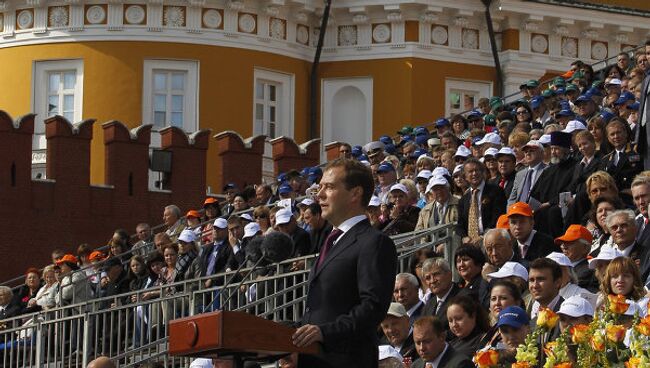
{"x":209,"y":201}
{"x":521,"y":209}
{"x":573,"y":233}
{"x":502,"y":222}
{"x":96,"y":256}
{"x":68,"y":258}
{"x":193,"y":213}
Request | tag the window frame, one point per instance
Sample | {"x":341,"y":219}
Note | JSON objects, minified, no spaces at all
{"x":284,"y":102}
{"x":464,"y":86}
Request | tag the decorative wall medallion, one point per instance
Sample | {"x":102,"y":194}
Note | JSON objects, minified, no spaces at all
{"x":135,"y":14}
{"x":212,"y":18}
{"x":25,"y":19}
{"x":95,"y":14}
{"x":627,"y":47}
{"x":347,"y":35}
{"x":302,"y":34}
{"x":278,"y":28}
{"x":470,"y":38}
{"x":247,"y":23}
{"x":539,"y":43}
{"x":381,"y":33}
{"x":174,"y":16}
{"x":439,"y":35}
{"x":58,"y":16}
{"x":569,"y":47}
{"x":598,"y":50}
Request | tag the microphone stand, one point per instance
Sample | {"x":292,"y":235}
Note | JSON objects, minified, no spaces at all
{"x":244,"y":279}
{"x":225,"y":286}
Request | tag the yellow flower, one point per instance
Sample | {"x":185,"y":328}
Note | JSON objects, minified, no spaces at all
{"x":644,"y":326}
{"x":564,"y":365}
{"x":486,"y":359}
{"x":633,"y":362}
{"x":617,"y":304}
{"x":579,"y":333}
{"x":598,"y":341}
{"x":546,"y":318}
{"x":615,"y":333}
{"x":521,"y":365}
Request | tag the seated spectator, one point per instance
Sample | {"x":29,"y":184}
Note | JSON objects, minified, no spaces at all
{"x":397,"y":331}
{"x":532,"y":244}
{"x":28,"y":290}
{"x":170,"y":272}
{"x":44,"y":298}
{"x":214,"y":257}
{"x":83,"y":254}
{"x":437,"y":275}
{"x":193,"y":219}
{"x":621,"y":278}
{"x":468,"y":323}
{"x":513,"y":327}
{"x":403,"y":215}
{"x":261,"y":214}
{"x":443,"y":210}
{"x":144,"y":235}
{"x":574,"y":311}
{"x":499,"y":249}
{"x":160,"y":240}
{"x":429,"y":336}
{"x":285,"y":222}
{"x":235,"y":234}
{"x":515,"y":273}
{"x":230,"y":190}
{"x":186,"y":251}
{"x":576,"y":244}
{"x":173,"y":221}
{"x":138,"y":274}
{"x":118,"y":282}
{"x":602,"y":207}
{"x":569,"y":286}
{"x":469,"y":262}
{"x":406,"y":293}
{"x":622,"y":225}
{"x":9,"y":306}
{"x":239,"y":203}
{"x":74,"y":286}
{"x":503,"y":294}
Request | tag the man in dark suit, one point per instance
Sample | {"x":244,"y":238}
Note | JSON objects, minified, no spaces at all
{"x":351,"y":283}
{"x":438,"y":277}
{"x":285,"y":222}
{"x":406,"y":292}
{"x":532,"y":243}
{"x":214,"y":257}
{"x":576,"y":245}
{"x":480,"y":206}
{"x":643,"y":138}
{"x":622,"y":163}
{"x":641,"y":197}
{"x":397,"y":331}
{"x":526,"y":179}
{"x":429,"y":337}
{"x":320,"y":228}
{"x":235,"y":235}
{"x":622,"y":226}
{"x":9,"y":306}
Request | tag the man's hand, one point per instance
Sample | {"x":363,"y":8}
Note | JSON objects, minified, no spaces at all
{"x":487,"y":269}
{"x":306,"y":335}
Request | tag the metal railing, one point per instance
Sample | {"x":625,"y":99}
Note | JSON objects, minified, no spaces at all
{"x":133,"y":327}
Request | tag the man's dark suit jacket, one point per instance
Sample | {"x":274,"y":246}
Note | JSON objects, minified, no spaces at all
{"x":222,"y":259}
{"x":644,"y":111}
{"x":317,"y":237}
{"x":432,"y":304}
{"x":493,"y":205}
{"x":582,"y":172}
{"x":450,"y":359}
{"x":586,"y":278}
{"x":408,"y":347}
{"x":628,"y":166}
{"x":348,"y":297}
{"x":541,"y":246}
{"x":510,"y":183}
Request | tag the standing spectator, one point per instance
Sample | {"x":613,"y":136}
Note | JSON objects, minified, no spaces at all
{"x":386,"y":176}
{"x":186,"y":251}
{"x":44,"y":298}
{"x":641,"y":197}
{"x":506,"y":164}
{"x":403,"y":213}
{"x":644,"y":109}
{"x":211,"y":211}
{"x":443,"y":210}
{"x":589,"y":163}
{"x":235,"y":235}
{"x":145,"y":240}
{"x":138,"y":273}
{"x":556,"y":178}
{"x":74,"y":286}
{"x":622,"y":163}
{"x":172,"y":220}
{"x":525,"y":180}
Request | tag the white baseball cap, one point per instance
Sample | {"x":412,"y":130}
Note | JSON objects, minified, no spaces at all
{"x":201,"y":363}
{"x":251,"y":229}
{"x":614,"y":81}
{"x":307,"y":202}
{"x":490,"y":152}
{"x":535,"y":144}
{"x":396,"y":310}
{"x":463,"y":151}
{"x":560,"y":258}
{"x":283,"y":216}
{"x":432,"y":142}
{"x":387,"y":351}
{"x":374,"y":201}
{"x":187,"y":236}
{"x":489,"y":138}
{"x":576,"y":306}
{"x":399,"y":186}
{"x":425,"y":174}
{"x":607,"y":253}
{"x":574,"y":125}
{"x":505,"y":151}
{"x":545,"y":139}
{"x":510,"y":269}
{"x":440,"y":171}
{"x":458,"y":169}
{"x":220,"y":223}
{"x":247,"y":217}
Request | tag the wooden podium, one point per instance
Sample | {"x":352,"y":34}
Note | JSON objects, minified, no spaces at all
{"x":237,"y":335}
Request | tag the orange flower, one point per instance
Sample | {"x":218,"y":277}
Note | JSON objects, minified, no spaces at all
{"x":598,"y":341}
{"x":546,"y":318}
{"x":521,"y":365}
{"x":487,"y":358}
{"x":579,"y":333}
{"x":615,"y":333}
{"x":564,"y":365}
{"x":549,"y":348}
{"x":633,"y":362}
{"x":617,"y":304}
{"x":644,"y":326}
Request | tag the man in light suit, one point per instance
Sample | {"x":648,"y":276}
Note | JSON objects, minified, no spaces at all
{"x":351,"y":284}
{"x":429,"y":337}
{"x":525,"y":181}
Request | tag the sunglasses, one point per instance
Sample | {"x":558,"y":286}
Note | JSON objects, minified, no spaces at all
{"x":523,"y":112}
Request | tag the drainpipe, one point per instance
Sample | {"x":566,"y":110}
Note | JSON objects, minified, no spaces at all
{"x":493,"y":44}
{"x":313,"y":82}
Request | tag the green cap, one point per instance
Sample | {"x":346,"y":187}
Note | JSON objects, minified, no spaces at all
{"x":571,"y":87}
{"x":548,"y":93}
{"x":521,"y":101}
{"x":597,"y":83}
{"x":496,"y":102}
{"x":490,"y":120}
{"x":406,"y":130}
{"x":578,"y":75}
{"x":532,"y":83}
{"x":559,"y":82}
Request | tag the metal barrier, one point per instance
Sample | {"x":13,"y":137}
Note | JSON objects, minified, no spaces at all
{"x":132,"y":328}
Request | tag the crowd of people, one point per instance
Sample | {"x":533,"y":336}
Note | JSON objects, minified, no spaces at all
{"x":547,"y":195}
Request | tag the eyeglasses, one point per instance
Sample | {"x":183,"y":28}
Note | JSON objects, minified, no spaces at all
{"x":522,"y":112}
{"x":261,"y":217}
{"x":622,"y":226}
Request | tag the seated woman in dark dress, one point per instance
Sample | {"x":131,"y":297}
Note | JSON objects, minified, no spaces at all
{"x":468,"y":322}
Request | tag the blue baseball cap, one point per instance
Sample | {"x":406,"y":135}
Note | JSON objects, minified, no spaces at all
{"x":606,"y":115}
{"x":390,"y":149}
{"x":385,"y":166}
{"x":362,"y":157}
{"x":420,"y":131}
{"x":560,"y":91}
{"x":305,"y":171}
{"x":229,"y":186}
{"x":593,"y":91}
{"x":418,"y":152}
{"x":442,"y":122}
{"x":386,"y":139}
{"x":513,"y":317}
{"x":583,"y":98}
{"x":316,"y":171}
{"x":565,"y":113}
{"x":406,"y":138}
{"x":535,"y":102}
{"x":474,"y":115}
{"x":284,"y":188}
{"x":282,"y":177}
{"x":356,"y":151}
{"x":625,"y":96}
{"x":421,"y":139}
{"x":634,"y":106}
{"x":565,"y":105}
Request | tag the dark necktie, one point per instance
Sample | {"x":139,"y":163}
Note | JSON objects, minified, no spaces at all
{"x":329,"y":242}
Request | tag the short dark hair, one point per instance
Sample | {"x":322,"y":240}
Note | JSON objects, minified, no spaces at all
{"x":472,"y":252}
{"x":548,"y":264}
{"x":315,"y":209}
{"x":475,"y":161}
{"x":474,"y":310}
{"x":432,"y":322}
{"x":356,"y":175}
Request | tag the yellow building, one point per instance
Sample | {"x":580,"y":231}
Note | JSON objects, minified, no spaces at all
{"x":245,"y":65}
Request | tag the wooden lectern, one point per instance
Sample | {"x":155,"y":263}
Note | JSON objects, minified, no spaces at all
{"x":226,"y":334}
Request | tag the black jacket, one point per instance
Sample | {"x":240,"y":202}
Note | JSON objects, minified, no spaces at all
{"x":493,"y":205}
{"x":450,"y":359}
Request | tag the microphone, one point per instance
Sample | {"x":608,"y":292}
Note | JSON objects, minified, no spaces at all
{"x":254,"y":249}
{"x":277,"y":247}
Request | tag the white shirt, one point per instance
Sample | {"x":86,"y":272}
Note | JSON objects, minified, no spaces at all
{"x":436,"y":361}
{"x":348,"y":224}
{"x":535,"y":309}
{"x":424,"y":295}
{"x":626,"y":252}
